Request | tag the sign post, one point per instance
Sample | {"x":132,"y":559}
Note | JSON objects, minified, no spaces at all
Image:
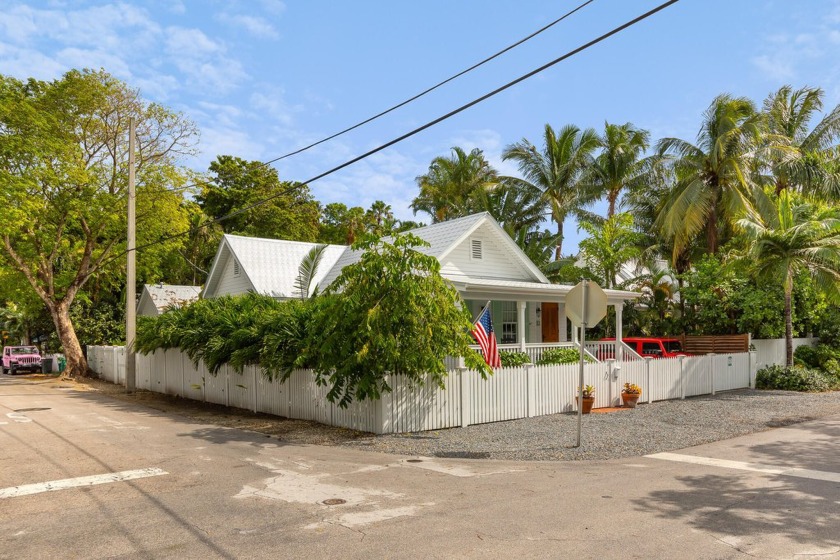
{"x":586,"y":305}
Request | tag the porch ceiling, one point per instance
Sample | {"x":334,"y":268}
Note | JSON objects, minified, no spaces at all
{"x":513,"y":290}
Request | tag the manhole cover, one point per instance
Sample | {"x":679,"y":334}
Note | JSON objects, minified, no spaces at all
{"x":30,"y":409}
{"x":414,"y":461}
{"x":334,"y":502}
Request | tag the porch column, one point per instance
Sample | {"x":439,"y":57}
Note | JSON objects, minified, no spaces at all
{"x":562,"y":322}
{"x":522,"y":324}
{"x":619,"y":332}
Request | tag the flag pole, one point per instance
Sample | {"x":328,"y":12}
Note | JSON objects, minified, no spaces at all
{"x":486,"y":305}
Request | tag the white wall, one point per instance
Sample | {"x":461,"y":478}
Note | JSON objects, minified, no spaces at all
{"x":230,"y":284}
{"x":772,"y":351}
{"x":496,"y":262}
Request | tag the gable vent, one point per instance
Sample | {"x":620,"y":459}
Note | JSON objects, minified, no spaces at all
{"x":236,"y":269}
{"x":475,"y":248}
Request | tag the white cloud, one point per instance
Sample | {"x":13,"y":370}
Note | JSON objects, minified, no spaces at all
{"x":271,"y":103}
{"x":256,"y":26}
{"x":203,"y":61}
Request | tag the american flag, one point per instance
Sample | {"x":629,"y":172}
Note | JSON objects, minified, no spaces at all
{"x":483,"y":334}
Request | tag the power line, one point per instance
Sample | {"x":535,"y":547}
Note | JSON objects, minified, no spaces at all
{"x":436,"y":86}
{"x":414,"y":97}
{"x":413,"y":132}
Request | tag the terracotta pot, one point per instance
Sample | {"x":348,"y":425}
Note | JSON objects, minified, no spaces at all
{"x":629,"y":399}
{"x":588,"y":402}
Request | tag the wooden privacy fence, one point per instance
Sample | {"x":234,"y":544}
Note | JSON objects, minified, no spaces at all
{"x":518,"y":392}
{"x":719,"y":343}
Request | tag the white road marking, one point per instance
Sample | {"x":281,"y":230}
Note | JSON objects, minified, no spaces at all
{"x":18,"y":417}
{"x":752,"y":467}
{"x":54,"y":485}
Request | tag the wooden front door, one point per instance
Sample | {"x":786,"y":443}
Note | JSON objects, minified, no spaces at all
{"x":550,"y":322}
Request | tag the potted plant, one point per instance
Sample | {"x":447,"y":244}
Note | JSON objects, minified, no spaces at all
{"x":630,"y":394}
{"x":588,"y":396}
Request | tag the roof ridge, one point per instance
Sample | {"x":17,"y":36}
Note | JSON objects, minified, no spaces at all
{"x":286,"y":241}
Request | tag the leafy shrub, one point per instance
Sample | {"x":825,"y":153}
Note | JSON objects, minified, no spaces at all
{"x":514,"y":359}
{"x":807,"y":356}
{"x":561,"y":356}
{"x":796,"y":378}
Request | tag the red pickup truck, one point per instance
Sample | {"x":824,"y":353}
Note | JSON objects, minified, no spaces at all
{"x":21,"y":358}
{"x":655,"y":347}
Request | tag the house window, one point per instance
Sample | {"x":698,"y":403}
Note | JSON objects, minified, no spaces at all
{"x":475,"y":249}
{"x":509,"y":322}
{"x":236,"y":269}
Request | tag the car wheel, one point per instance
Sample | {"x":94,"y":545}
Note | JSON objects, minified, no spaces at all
{"x":12,"y":370}
{"x":5,"y":370}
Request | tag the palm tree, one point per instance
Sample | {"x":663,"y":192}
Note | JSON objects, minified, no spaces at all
{"x":447,"y":190}
{"x":557,"y":170}
{"x":789,"y":237}
{"x":714,"y":179}
{"x":620,"y":163}
{"x":800,"y":156}
{"x":517,"y":206}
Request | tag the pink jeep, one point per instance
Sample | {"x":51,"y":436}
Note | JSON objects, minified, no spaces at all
{"x":17,"y":358}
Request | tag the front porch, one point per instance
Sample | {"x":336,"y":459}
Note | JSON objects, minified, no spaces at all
{"x":531,"y":317}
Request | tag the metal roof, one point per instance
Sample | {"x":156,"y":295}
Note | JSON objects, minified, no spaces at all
{"x":169,"y":295}
{"x":272,"y":264}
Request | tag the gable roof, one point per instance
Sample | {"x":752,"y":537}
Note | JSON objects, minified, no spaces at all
{"x":443,"y":237}
{"x":270,"y":265}
{"x":163,"y":296}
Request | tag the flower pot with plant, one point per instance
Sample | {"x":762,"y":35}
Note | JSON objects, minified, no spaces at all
{"x":630,"y":395}
{"x":586,"y":398}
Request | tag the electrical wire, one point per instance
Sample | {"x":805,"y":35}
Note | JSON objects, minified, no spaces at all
{"x":414,"y":97}
{"x":411,"y":133}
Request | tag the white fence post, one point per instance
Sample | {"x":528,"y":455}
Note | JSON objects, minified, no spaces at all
{"x":466,"y":405}
{"x":712,"y":372}
{"x":751,"y":364}
{"x":256,"y":393}
{"x":647,"y":379}
{"x":682,"y":378}
{"x":530,"y":391}
{"x":227,"y":387}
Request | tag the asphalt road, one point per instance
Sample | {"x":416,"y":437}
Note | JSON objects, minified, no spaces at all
{"x":86,"y":476}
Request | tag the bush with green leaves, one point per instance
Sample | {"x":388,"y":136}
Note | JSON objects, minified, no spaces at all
{"x":561,"y":356}
{"x":389,"y":313}
{"x":514,"y":359}
{"x":241,"y":330}
{"x":795,"y":378}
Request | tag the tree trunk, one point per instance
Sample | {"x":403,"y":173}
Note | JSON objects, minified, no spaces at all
{"x":712,"y":233}
{"x":76,"y":362}
{"x":558,"y":252}
{"x":788,"y":324}
{"x":612,"y":197}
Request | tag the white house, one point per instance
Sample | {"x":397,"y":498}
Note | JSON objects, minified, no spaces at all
{"x":157,"y":298}
{"x":476,"y":255}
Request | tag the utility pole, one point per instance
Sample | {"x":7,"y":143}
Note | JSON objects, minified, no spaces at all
{"x":131,"y":275}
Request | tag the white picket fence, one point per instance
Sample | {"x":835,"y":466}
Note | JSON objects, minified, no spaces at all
{"x":510,"y":393}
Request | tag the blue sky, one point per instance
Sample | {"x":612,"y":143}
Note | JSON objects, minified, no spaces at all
{"x":263,"y":77}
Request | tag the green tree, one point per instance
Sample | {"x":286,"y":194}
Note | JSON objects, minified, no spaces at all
{"x":714,"y":179}
{"x":609,"y":247}
{"x":391,"y":313}
{"x":63,"y":167}
{"x":235,"y":185}
{"x":802,"y":157}
{"x":621,"y":164}
{"x":448,"y":190}
{"x":792,"y":236}
{"x":557,"y":171}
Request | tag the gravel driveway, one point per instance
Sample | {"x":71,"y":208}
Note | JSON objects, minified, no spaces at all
{"x":650,"y":428}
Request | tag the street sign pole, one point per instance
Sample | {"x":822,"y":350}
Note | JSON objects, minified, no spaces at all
{"x":585,"y":296}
